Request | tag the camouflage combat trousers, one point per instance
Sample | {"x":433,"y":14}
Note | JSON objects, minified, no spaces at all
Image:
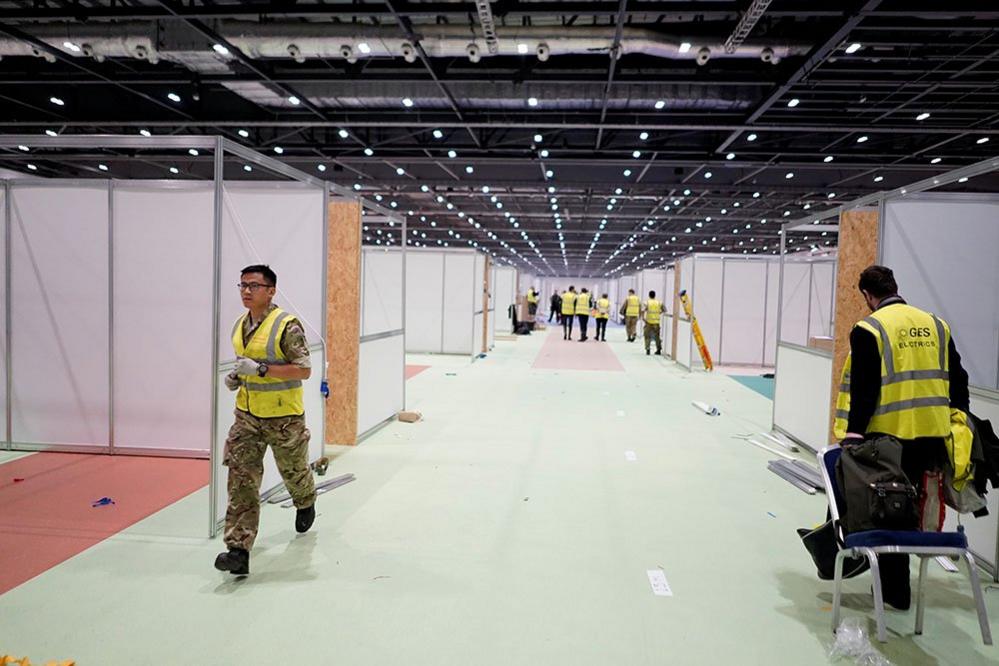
{"x":652,"y":332}
{"x":630,"y":324}
{"x":248,"y":439}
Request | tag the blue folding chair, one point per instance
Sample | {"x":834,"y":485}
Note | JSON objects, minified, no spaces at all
{"x":872,"y":543}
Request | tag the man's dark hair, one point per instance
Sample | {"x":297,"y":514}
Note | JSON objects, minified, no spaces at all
{"x":652,"y":294}
{"x":631,"y":291}
{"x":878,"y":281}
{"x":572,"y":287}
{"x":264,"y":270}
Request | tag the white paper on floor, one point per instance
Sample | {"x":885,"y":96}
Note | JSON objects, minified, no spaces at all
{"x":660,"y":586}
{"x":630,"y":455}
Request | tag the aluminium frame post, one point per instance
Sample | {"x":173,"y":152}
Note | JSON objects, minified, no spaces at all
{"x":218,"y":160}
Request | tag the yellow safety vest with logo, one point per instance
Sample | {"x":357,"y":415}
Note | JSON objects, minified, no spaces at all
{"x":603,"y":308}
{"x":531,"y":296}
{"x":583,"y":304}
{"x":915,"y":383}
{"x":267,"y":397}
{"x":569,"y":302}
{"x":653,"y":310}
{"x":633,"y":306}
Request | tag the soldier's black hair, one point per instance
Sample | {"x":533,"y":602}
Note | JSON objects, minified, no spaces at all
{"x":264,"y":270}
{"x":878,"y":281}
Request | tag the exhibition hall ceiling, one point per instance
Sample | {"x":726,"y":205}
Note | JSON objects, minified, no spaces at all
{"x":573,"y":138}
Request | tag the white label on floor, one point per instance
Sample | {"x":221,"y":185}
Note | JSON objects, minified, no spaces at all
{"x":630,"y":455}
{"x":620,"y":412}
{"x":660,"y":586}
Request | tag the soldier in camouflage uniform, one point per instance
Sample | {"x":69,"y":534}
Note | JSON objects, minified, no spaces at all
{"x":268,"y":413}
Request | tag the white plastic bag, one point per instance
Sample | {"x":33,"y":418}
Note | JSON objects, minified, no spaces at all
{"x":851,"y":641}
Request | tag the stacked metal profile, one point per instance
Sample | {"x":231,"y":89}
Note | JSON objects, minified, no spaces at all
{"x":799,"y":474}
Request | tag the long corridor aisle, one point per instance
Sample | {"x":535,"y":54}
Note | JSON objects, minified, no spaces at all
{"x":508,"y":527}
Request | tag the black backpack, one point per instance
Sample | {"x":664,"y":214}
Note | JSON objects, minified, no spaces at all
{"x":877,"y":493}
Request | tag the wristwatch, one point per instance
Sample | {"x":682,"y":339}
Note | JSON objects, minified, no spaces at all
{"x":262,"y":369}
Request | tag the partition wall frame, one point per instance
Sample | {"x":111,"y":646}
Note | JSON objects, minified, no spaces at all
{"x":207,"y":252}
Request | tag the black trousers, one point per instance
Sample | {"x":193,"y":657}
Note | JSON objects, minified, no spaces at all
{"x":601,"y":329}
{"x":583,"y":320}
{"x":555,"y":313}
{"x":918,"y":456}
{"x":567,"y":326}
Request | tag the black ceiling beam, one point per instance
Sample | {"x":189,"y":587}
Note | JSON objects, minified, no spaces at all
{"x":815,"y":58}
{"x":615,"y":55}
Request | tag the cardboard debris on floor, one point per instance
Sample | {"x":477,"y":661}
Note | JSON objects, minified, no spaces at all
{"x":410,"y":417}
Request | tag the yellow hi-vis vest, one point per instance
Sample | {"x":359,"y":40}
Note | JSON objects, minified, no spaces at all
{"x":267,"y":397}
{"x":569,"y":302}
{"x":653,"y":309}
{"x":915,"y":382}
{"x":531,"y":296}
{"x":633,"y":306}
{"x":603,"y":308}
{"x":583,"y":304}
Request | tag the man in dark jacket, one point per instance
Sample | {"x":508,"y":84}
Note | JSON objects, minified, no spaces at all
{"x":902,"y":378}
{"x":556,"y":308}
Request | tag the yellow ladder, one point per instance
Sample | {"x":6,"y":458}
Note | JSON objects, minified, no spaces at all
{"x":696,"y":329}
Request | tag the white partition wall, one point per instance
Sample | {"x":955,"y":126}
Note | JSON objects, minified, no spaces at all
{"x":807,"y":298}
{"x":684,"y":336}
{"x":382,"y":355}
{"x":505,"y":295}
{"x":802,"y":394}
{"x":443,"y":294}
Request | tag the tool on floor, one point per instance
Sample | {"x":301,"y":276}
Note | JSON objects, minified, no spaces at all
{"x":104,"y":501}
{"x":789,"y":477}
{"x":787,"y":445}
{"x":335,"y":482}
{"x":321,"y":491}
{"x":798,"y":473}
{"x":696,"y":330}
{"x":710,"y":410}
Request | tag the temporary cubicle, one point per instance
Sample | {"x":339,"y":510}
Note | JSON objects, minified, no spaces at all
{"x":504,"y":294}
{"x":120,"y":298}
{"x":447,"y":304}
{"x":939,"y":236}
{"x":734,"y":298}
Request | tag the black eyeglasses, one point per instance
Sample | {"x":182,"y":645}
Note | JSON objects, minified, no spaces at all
{"x":251,"y":286}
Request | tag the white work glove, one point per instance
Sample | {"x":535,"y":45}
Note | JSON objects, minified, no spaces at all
{"x":232,"y":381}
{"x":246,"y":366}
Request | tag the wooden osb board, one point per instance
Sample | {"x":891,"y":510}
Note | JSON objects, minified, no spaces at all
{"x":858,"y":249}
{"x":343,"y":318}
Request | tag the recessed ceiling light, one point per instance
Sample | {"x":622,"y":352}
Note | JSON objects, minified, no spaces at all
{"x":23,"y":147}
{"x":756,"y":195}
{"x":878,"y":179}
{"x":643,"y":136}
{"x":538,"y":138}
{"x":49,"y":132}
{"x":544,"y":153}
{"x":549,"y":173}
{"x":102,"y":167}
{"x":294,"y":100}
{"x":193,"y":152}
{"x":279,"y":150}
{"x":923,"y":116}
{"x":243,"y":133}
{"x":627,"y":172}
{"x":357,"y":187}
{"x":174,"y":170}
{"x":369,"y":152}
{"x":469,"y":169}
{"x":831,"y":195}
{"x":220,"y":49}
{"x":532,"y":101}
{"x":751,"y":137}
{"x":173,"y":97}
{"x":407,"y":102}
{"x":684,"y":47}
{"x":828,"y":158}
{"x":984,"y":139}
{"x":247,"y":168}
{"x":789,"y":175}
{"x":935,"y":160}
{"x":452,"y":154}
{"x":636,"y":154}
{"x":145,"y":132}
{"x":963,"y":179}
{"x":57,"y":101}
{"x":71,"y":46}
{"x":853,"y":48}
{"x":399,"y":171}
{"x":437,"y":134}
{"x":363,"y":47}
{"x":32,"y":167}
{"x":794,"y":102}
{"x":522,"y":48}
{"x":730,"y":156}
{"x":660,"y":105}
{"x":708,"y":174}
{"x":861,"y":139}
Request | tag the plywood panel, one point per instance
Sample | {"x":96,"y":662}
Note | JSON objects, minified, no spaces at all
{"x":343,"y":318}
{"x":858,"y":249}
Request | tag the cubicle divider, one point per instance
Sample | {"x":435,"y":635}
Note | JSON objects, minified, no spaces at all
{"x":382,"y":354}
{"x":505,"y":295}
{"x":141,"y":271}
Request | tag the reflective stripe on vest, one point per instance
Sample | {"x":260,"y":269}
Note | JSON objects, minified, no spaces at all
{"x":653,"y":309}
{"x":569,"y":303}
{"x":914,"y":400}
{"x":267,"y":397}
{"x":583,"y":304}
{"x":633,"y":306}
{"x":603,"y":308}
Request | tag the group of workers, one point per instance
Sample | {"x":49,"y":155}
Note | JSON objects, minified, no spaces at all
{"x":571,"y":305}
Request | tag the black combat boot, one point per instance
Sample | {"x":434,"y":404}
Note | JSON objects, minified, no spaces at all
{"x":659,"y":352}
{"x":236,"y":561}
{"x":304,"y":519}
